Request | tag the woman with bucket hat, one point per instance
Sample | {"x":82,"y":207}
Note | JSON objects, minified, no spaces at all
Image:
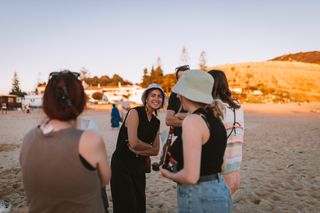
{"x":201,"y":187}
{"x":137,"y":140}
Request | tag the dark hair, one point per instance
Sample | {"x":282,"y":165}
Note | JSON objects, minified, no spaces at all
{"x":181,"y":69}
{"x":147,"y":93}
{"x":64,"y":98}
{"x":221,"y":89}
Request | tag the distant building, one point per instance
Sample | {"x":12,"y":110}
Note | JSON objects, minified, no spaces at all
{"x":236,"y":90}
{"x":33,"y":100}
{"x":10,"y":101}
{"x":257,"y":92}
{"x":112,"y":94}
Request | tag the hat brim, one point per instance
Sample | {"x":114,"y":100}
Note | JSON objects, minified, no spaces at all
{"x":192,"y":94}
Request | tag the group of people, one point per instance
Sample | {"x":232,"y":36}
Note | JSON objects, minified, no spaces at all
{"x":208,"y":124}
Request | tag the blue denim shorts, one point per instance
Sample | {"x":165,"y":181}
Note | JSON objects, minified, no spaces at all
{"x":209,"y":196}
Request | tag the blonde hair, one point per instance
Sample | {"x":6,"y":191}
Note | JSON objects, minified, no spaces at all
{"x":218,"y":108}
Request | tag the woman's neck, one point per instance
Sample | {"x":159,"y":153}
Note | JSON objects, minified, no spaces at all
{"x":193,"y":107}
{"x":149,"y":112}
{"x":58,"y":124}
{"x":54,"y":125}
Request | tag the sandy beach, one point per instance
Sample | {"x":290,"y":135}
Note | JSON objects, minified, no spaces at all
{"x":280,"y":168}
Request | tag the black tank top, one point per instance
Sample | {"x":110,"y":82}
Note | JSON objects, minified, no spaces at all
{"x":147,"y":131}
{"x":213,"y":151}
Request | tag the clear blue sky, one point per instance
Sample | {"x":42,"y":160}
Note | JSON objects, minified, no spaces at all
{"x":124,"y":37}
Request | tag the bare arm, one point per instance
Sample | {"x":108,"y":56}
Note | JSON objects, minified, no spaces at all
{"x":132,"y":123}
{"x":154,"y":150}
{"x":174,"y":119}
{"x":92,"y":148}
{"x":195,"y":132}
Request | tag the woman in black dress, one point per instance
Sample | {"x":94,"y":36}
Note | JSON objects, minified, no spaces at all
{"x":138,"y":138}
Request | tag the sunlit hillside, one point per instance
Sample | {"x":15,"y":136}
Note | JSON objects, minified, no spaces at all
{"x":306,"y":57}
{"x":277,"y":80}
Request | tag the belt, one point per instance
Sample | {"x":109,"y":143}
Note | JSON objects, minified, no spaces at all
{"x":208,"y":178}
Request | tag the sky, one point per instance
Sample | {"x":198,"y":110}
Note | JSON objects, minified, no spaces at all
{"x":124,"y":37}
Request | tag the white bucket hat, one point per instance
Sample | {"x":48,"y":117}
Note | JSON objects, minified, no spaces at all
{"x":153,"y":86}
{"x":196,"y":85}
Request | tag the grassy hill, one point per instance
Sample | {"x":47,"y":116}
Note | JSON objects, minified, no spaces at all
{"x":306,"y":57}
{"x":279,"y":81}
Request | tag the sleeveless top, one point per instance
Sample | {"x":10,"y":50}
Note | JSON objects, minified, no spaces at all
{"x":54,"y":178}
{"x":147,"y":131}
{"x":213,"y":151}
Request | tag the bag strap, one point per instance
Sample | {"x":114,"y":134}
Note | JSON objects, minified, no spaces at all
{"x":235,"y":124}
{"x":126,"y":116}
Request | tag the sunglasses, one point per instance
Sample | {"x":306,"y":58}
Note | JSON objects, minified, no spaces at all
{"x":55,"y":74}
{"x":182,"y":68}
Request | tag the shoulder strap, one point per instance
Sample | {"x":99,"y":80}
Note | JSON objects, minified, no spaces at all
{"x":204,"y":118}
{"x":235,"y":124}
{"x":127,"y":115}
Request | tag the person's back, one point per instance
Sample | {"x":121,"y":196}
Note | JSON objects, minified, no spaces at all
{"x":64,"y":168}
{"x":51,"y":186}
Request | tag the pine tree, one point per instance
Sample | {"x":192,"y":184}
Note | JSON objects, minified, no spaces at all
{"x":16,"y":86}
{"x":145,"y":78}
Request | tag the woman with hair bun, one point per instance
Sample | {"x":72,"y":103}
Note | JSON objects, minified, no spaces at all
{"x":64,"y":168}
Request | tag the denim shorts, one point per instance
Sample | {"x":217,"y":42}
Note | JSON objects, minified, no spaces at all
{"x":209,"y":196}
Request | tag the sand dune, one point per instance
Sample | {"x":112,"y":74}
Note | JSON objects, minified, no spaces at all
{"x":279,"y":170}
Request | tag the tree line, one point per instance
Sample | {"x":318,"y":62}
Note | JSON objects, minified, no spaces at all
{"x":154,"y":75}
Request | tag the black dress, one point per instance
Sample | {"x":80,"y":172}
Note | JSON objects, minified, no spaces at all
{"x":128,"y":180}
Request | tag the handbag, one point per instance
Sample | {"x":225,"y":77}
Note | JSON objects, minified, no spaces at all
{"x":147,"y":164}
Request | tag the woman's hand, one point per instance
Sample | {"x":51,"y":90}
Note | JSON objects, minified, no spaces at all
{"x":165,"y":173}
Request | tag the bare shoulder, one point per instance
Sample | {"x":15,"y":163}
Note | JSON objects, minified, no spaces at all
{"x":133,"y":112}
{"x":91,"y":138}
{"x":193,"y":121}
{"x":133,"y":115}
{"x":190,"y":118}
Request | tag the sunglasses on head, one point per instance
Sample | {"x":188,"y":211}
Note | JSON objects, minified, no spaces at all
{"x":54,"y":74}
{"x":182,"y":68}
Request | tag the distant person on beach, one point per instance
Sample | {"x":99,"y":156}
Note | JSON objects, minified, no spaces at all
{"x":174,"y":117}
{"x":27,"y":108}
{"x":137,"y":140}
{"x":201,"y":187}
{"x":115,"y":117}
{"x":4,"y":108}
{"x":64,"y":168}
{"x":234,"y":123}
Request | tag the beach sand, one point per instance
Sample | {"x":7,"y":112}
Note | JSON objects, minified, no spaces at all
{"x":280,"y":168}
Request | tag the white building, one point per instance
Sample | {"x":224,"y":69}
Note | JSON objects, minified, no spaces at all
{"x":236,"y":90}
{"x":112,"y":94}
{"x":32,"y":100}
